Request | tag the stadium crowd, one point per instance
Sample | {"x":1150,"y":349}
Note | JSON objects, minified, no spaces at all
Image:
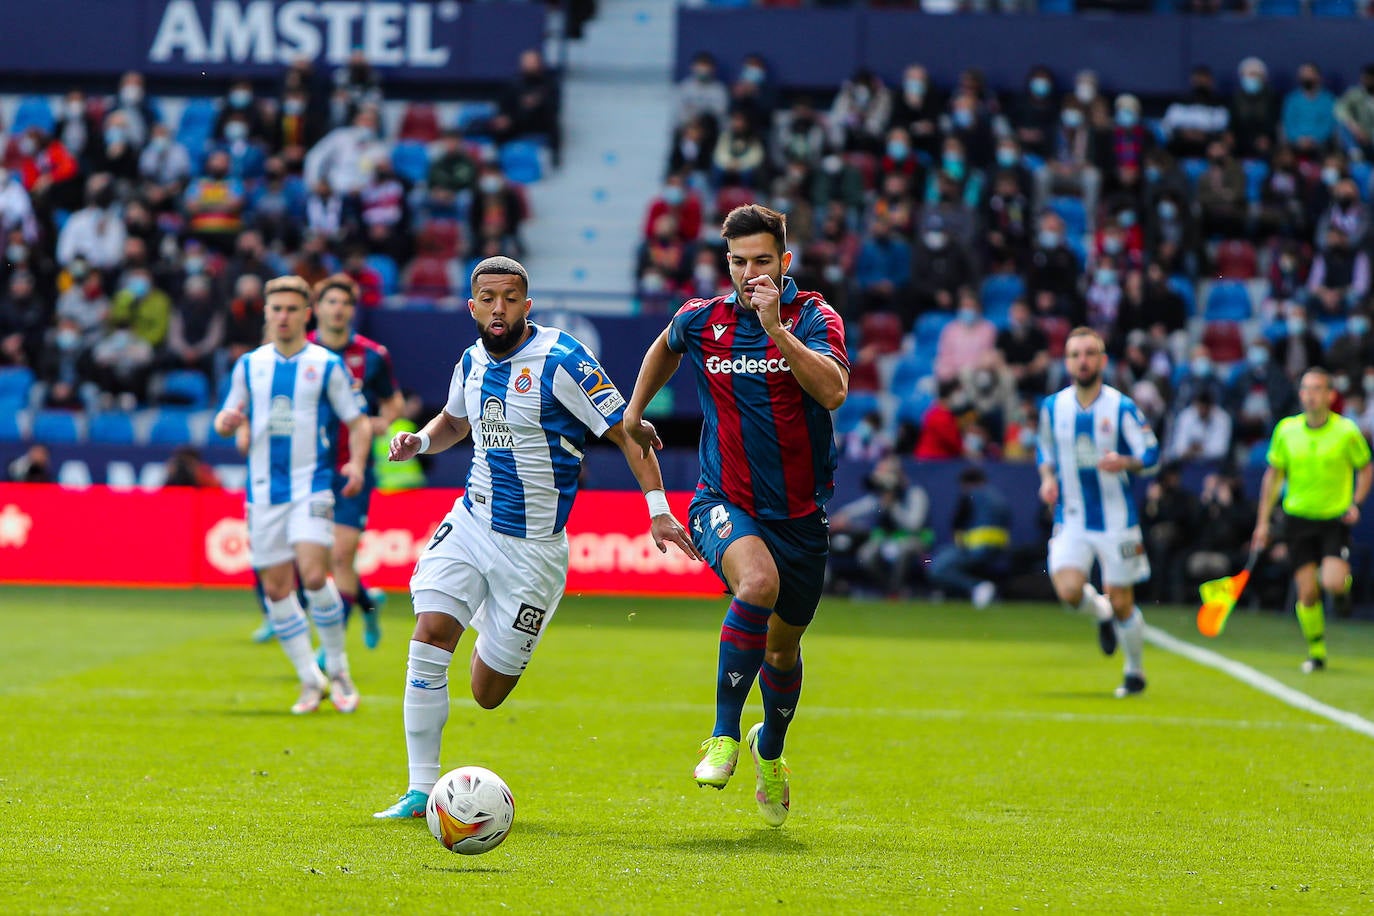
{"x":139,"y":231}
{"x":1219,"y":242}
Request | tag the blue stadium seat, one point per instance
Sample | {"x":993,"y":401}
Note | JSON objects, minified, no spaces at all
{"x":1360,"y":172}
{"x":1279,"y":7}
{"x":1193,"y":169}
{"x":1055,"y":7}
{"x":1000,"y":290}
{"x":112,"y":428}
{"x":1259,"y":454}
{"x":9,"y":426}
{"x":521,"y":162}
{"x":912,"y":408}
{"x":1228,"y":300}
{"x":1256,"y":171}
{"x":929,"y":326}
{"x":1184,"y":287}
{"x":907,"y":371}
{"x":1334,"y":8}
{"x":1073,"y":213}
{"x":386,"y":268}
{"x":33,"y":111}
{"x":474,"y":114}
{"x":171,"y":427}
{"x":410,"y":159}
{"x":855,"y":406}
{"x":53,"y":427}
{"x":197,"y":125}
{"x":185,"y":387}
{"x":1032,"y":162}
{"x":15,"y":382}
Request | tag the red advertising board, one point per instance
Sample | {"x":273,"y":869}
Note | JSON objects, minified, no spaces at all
{"x":177,"y":536}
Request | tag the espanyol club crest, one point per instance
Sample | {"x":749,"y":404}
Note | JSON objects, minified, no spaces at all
{"x":524,"y":382}
{"x":310,"y":373}
{"x":1106,"y":425}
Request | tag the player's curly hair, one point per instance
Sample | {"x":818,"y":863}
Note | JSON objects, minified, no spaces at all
{"x":289,"y":283}
{"x":500,"y":265}
{"x":753,"y":219}
{"x":342,"y":282}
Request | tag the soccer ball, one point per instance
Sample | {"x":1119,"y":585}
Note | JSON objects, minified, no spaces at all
{"x":470,"y":810}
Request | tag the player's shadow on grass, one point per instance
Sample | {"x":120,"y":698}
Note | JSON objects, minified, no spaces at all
{"x":1076,"y":695}
{"x":763,"y":840}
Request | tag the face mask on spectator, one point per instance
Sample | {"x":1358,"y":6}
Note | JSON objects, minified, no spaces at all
{"x":833,"y":273}
{"x":79,"y":270}
{"x":705,"y":274}
{"x":240,"y":98}
{"x":973,"y":442}
{"x":753,"y":75}
{"x":1341,"y":383}
{"x":832,"y":164}
{"x":673,"y":195}
{"x":1085,"y":92}
{"x":963,"y":118}
{"x":114,"y":136}
{"x":1251,"y":84}
{"x":490,"y":184}
{"x":1106,"y":276}
{"x":897,"y":150}
{"x":953,"y":164}
{"x":1071,"y":117}
{"x":653,"y":283}
{"x":1201,"y":366}
{"x":1330,"y":175}
{"x":915,"y":87}
{"x":1369,"y":383}
{"x":1168,"y":209}
{"x":16,"y":253}
{"x":1257,"y":356}
{"x":1049,"y":238}
{"x":703,"y":74}
{"x":194,"y":264}
{"x":139,"y":287}
{"x":1127,"y":118}
{"x":1112,"y":244}
{"x":236,"y":130}
{"x":131,"y":94}
{"x":1359,"y":325}
{"x":27,"y":146}
{"x":934,"y":240}
{"x":1006,"y":156}
{"x":1152,"y":173}
{"x":1040,"y":87}
{"x":1296,"y":326}
{"x":968,"y":315}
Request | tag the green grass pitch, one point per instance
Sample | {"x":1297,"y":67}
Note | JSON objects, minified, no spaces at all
{"x":943,"y":760}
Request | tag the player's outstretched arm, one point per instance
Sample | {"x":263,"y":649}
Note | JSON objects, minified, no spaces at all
{"x":658,"y":367}
{"x":442,"y":432}
{"x":663,"y":526}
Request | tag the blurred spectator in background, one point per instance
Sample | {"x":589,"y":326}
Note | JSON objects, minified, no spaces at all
{"x":136,"y":111}
{"x":702,"y":93}
{"x":1354,"y":112}
{"x":836,"y":181}
{"x":1169,"y":521}
{"x":498,"y":210}
{"x":74,"y":126}
{"x":95,"y":232}
{"x":1192,"y":123}
{"x":740,"y":158}
{"x":868,"y":440}
{"x":982,"y":536}
{"x":694,"y":145}
{"x":23,"y":320}
{"x":358,"y":81}
{"x":991,"y":391}
{"x":1052,"y":281}
{"x":941,"y":266}
{"x":34,"y":466}
{"x":122,"y":363}
{"x":1025,"y":350}
{"x":529,"y":106}
{"x":16,"y":209}
{"x":1339,"y":279}
{"x":800,"y":135}
{"x":186,"y":468}
{"x":860,"y":113}
{"x":385,"y":214}
{"x":245,"y":328}
{"x":48,"y":171}
{"x":1200,"y":432}
{"x":142,"y":307}
{"x":453,"y":169}
{"x":1254,"y":111}
{"x":942,"y":432}
{"x":214,"y":204}
{"x":1225,"y":523}
{"x":966,"y":340}
{"x":754,"y":93}
{"x":1309,"y":114}
{"x":84,"y":303}
{"x":1258,"y":395}
{"x":1068,"y":169}
{"x":369,"y":282}
{"x":197,"y":328}
{"x":1296,"y":345}
{"x":883,"y":271}
{"x":1199,"y":376}
{"x":1347,"y":213}
{"x":917,"y":109}
{"x":116,"y":152}
{"x":239,"y":105}
{"x":164,"y":161}
{"x":1007,"y":216}
{"x":346,"y":155}
{"x":246,"y":154}
{"x":1353,"y":348}
{"x":1221,"y":194}
{"x":664,"y":257}
{"x":1036,"y":113}
{"x":676,"y":199}
{"x":883,"y":532}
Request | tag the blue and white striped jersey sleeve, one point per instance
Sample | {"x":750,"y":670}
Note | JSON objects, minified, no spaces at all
{"x":1137,"y":438}
{"x":346,"y":402}
{"x":581,"y":385}
{"x":456,"y":406}
{"x":237,"y":395}
{"x":1044,"y":438}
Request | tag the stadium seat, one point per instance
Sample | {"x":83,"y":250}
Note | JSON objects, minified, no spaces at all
{"x":1236,"y":260}
{"x":1258,"y":456}
{"x":1279,"y":7}
{"x":882,"y":331}
{"x":729,"y":198}
{"x":1055,"y":7}
{"x":866,"y":164}
{"x":1193,"y":169}
{"x":15,"y":382}
{"x":427,"y":277}
{"x":441,"y":236}
{"x":410,"y":159}
{"x":33,"y":111}
{"x":521,"y":161}
{"x":171,"y":427}
{"x":1256,"y":171}
{"x":1227,"y":300}
{"x":197,"y":124}
{"x":1073,"y":213}
{"x":912,"y":407}
{"x":929,"y":326}
{"x":908,"y":371}
{"x":10,"y":430}
{"x":1186,"y":291}
{"x":472,"y":115}
{"x":56,"y":426}
{"x":1335,"y":9}
{"x":112,"y":428}
{"x":386,"y":268}
{"x":1000,"y":290}
{"x":185,"y":387}
{"x":1360,"y":171}
{"x":420,"y":122}
{"x":1057,"y":331}
{"x":864,"y":376}
{"x":1224,"y":340}
{"x":854,"y":408}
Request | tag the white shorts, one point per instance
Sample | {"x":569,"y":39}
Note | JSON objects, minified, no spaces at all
{"x":274,"y":530}
{"x":506,"y":588}
{"x":1121,"y":554}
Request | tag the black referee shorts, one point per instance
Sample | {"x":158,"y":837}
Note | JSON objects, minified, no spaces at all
{"x":1312,"y":540}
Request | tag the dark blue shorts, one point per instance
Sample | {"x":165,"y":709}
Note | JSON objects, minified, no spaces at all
{"x":352,"y":510}
{"x":800,"y":548}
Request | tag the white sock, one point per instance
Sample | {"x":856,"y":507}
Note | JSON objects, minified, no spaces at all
{"x":293,"y":632}
{"x":1131,"y":632}
{"x":326,"y":610}
{"x":425,"y":711}
{"x":1093,"y":604}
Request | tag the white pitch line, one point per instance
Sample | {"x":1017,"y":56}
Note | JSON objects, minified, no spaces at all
{"x":1261,"y":682}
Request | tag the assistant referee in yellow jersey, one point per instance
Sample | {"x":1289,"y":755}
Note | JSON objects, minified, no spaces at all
{"x":1324,"y":459}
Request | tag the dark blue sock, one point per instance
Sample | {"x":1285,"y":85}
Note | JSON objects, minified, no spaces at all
{"x":347,"y":605}
{"x":781,"y":690}
{"x":258,"y":590}
{"x":364,"y":599}
{"x":743,"y":636}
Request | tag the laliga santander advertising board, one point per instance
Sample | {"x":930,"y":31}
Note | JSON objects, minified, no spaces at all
{"x":179,"y":536}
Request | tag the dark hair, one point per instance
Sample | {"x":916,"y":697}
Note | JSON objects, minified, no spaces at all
{"x":342,"y":282}
{"x":500,"y":265}
{"x":752,"y":219}
{"x":947,"y":388}
{"x":972,"y":475}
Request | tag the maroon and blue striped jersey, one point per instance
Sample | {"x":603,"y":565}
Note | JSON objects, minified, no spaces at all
{"x":766,"y":445}
{"x":369,"y":371}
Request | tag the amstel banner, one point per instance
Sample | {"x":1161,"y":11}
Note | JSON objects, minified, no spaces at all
{"x":178,"y":536}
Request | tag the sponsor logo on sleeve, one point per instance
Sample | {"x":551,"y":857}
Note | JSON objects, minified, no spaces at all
{"x":599,"y":389}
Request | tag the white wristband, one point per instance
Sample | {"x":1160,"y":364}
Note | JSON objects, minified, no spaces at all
{"x":424,"y":441}
{"x":658,"y":503}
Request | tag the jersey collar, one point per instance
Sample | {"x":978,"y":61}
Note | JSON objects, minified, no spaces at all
{"x":789,"y":292}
